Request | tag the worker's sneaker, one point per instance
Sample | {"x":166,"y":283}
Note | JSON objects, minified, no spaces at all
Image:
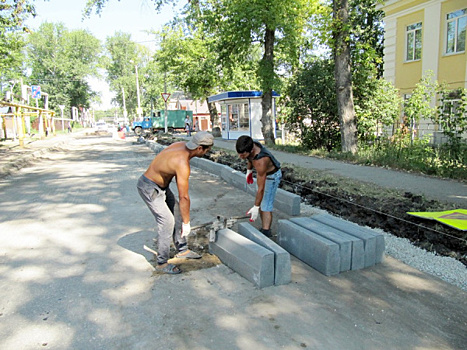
{"x":188,"y":254}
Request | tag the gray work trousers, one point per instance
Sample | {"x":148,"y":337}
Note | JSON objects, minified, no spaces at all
{"x":161,"y":203}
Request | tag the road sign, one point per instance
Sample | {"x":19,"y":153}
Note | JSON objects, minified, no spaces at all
{"x":36,"y":91}
{"x":165,"y":96}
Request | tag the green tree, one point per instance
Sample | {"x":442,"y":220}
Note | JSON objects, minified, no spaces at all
{"x":123,"y":58}
{"x":13,"y":13}
{"x":309,"y":108}
{"x":280,"y":26}
{"x":61,"y":61}
{"x":379,"y":109}
{"x":419,"y":104}
{"x":185,"y":56}
{"x":188,"y":53}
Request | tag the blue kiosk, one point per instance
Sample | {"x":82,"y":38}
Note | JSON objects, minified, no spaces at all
{"x":241,"y":113}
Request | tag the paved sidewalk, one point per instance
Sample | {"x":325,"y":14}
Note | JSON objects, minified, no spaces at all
{"x":450,"y":191}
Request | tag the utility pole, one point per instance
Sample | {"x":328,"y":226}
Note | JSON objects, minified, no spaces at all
{"x":139,"y":111}
{"x":125,"y":113}
{"x":165,"y":92}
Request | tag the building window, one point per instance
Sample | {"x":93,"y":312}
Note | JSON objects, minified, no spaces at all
{"x":414,"y":42}
{"x":456,"y":26}
{"x":452,"y":111}
{"x":239,"y":117}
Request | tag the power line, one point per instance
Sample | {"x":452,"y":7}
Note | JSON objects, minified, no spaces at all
{"x":373,"y":210}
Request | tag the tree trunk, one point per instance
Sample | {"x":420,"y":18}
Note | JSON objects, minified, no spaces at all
{"x":212,"y":113}
{"x":267,"y":73}
{"x":343,"y":77}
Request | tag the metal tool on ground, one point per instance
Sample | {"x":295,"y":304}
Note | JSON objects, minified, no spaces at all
{"x":216,"y":225}
{"x":220,"y":223}
{"x":145,"y":247}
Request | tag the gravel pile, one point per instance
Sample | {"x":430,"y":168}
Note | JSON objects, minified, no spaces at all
{"x":443,"y":267}
{"x":448,"y":269}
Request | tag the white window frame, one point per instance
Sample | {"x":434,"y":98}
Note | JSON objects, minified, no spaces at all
{"x":455,"y":20}
{"x":412,"y":32}
{"x":450,"y":106}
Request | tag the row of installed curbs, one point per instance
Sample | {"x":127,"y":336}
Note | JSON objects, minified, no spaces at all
{"x":327,"y":243}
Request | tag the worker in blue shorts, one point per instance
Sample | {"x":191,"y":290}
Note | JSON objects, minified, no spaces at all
{"x":268,"y":178}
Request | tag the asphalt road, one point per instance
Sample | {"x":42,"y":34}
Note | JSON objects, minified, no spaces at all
{"x":74,"y":274}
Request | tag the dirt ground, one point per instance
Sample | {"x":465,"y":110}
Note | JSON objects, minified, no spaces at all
{"x":363,"y":204}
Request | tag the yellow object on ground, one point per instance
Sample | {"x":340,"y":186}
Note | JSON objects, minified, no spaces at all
{"x":456,"y":218}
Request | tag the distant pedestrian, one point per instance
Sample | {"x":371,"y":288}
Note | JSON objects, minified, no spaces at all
{"x":187,"y":126}
{"x":69,"y":127}
{"x":268,"y":178}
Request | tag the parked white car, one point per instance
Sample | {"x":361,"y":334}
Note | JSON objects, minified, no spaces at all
{"x":101,"y":125}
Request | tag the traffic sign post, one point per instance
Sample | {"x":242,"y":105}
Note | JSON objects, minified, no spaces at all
{"x":36,"y":91}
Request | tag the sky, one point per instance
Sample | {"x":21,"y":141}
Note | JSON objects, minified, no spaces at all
{"x":129,"y":16}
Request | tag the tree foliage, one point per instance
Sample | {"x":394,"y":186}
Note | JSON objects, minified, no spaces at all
{"x":189,"y":54}
{"x":419,"y":104}
{"x":309,"y":108}
{"x":61,"y":61}
{"x":13,"y":13}
{"x":278,"y":26}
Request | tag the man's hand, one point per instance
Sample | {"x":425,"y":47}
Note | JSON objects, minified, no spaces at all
{"x":254,"y":213}
{"x":249,"y":176}
{"x":186,"y":229}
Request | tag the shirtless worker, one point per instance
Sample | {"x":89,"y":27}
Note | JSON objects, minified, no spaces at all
{"x":268,"y":178}
{"x":153,"y":187}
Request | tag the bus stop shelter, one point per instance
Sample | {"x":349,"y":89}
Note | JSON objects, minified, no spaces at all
{"x":241,"y":113}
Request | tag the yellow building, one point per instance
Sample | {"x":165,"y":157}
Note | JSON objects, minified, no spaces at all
{"x":422,"y":36}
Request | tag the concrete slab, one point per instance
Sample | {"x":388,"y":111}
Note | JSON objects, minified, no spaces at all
{"x":373,"y":242}
{"x":314,"y":250}
{"x":247,"y":258}
{"x":233,"y":177}
{"x":336,"y":236}
{"x":287,"y":202}
{"x":282,"y":266}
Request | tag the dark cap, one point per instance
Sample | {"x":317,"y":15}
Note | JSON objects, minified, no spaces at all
{"x":201,"y":138}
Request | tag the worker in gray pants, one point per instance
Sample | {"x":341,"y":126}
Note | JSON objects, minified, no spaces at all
{"x":153,"y":187}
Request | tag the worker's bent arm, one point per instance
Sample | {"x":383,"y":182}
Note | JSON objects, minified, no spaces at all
{"x":183,"y":195}
{"x":249,"y":165}
{"x":261,"y":168}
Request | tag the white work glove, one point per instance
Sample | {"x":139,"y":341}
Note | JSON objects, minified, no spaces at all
{"x":254,"y":213}
{"x":186,"y":229}
{"x":249,"y":176}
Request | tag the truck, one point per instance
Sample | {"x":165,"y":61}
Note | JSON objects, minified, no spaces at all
{"x":156,"y":123}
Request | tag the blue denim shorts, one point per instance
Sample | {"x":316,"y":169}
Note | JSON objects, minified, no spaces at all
{"x":270,"y":189}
